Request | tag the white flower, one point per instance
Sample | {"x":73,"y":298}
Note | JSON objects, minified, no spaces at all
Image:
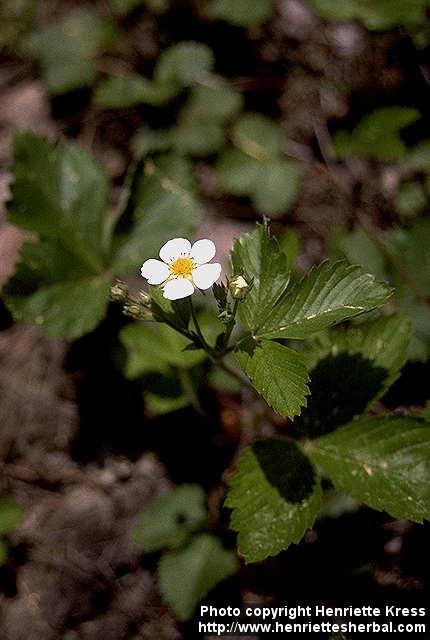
{"x":183,"y":267}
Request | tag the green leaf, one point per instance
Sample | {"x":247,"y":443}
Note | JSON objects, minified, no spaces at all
{"x":185,"y":64}
{"x":377,"y":135}
{"x":170,"y":519}
{"x":156,"y":347}
{"x":197,"y":138}
{"x":147,"y":141}
{"x":67,"y":53}
{"x":186,"y":576}
{"x":63,"y":309}
{"x":277,"y":372}
{"x":418,"y":158}
{"x":350,"y":369}
{"x":275,"y":496}
{"x":327,"y":295}
{"x":61,"y":193}
{"x":11,"y":515}
{"x":163,"y":205}
{"x":125,"y":7}
{"x":242,"y":13}
{"x":257,"y":168}
{"x":258,"y":136}
{"x":160,"y":405}
{"x":237,"y":172}
{"x":277,"y":187}
{"x":377,"y":15}
{"x":411,"y":199}
{"x":409,"y":249}
{"x":257,"y":255}
{"x":358,"y":248}
{"x":216,"y":101}
{"x":132,"y":90}
{"x":382,"y":461}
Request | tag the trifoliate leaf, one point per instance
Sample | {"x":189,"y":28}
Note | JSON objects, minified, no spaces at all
{"x":242,"y":12}
{"x":184,"y":64}
{"x":186,"y":576}
{"x":257,"y":167}
{"x":277,"y":372}
{"x":60,"y":193}
{"x":156,"y":347}
{"x":350,"y":369}
{"x":170,"y":519}
{"x":130,"y":91}
{"x":67,"y":53}
{"x":382,"y":461}
{"x":11,"y":515}
{"x":258,"y":257}
{"x":327,"y":295}
{"x":163,"y":204}
{"x":275,"y":496}
{"x":377,"y":135}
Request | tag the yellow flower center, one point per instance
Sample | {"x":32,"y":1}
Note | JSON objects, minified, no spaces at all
{"x":182,"y":267}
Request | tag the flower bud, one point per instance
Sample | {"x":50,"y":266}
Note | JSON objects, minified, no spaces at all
{"x":135,"y":310}
{"x":119,"y":292}
{"x":239,"y":287}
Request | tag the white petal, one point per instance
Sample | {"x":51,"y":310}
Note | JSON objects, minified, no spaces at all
{"x":203,"y":251}
{"x":174,"y":249}
{"x":155,"y":271}
{"x":178,"y":288}
{"x":205,"y":275}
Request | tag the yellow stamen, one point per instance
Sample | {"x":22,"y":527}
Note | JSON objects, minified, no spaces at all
{"x":182,"y":267}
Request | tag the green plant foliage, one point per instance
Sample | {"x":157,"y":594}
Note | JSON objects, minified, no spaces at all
{"x":185,"y":64}
{"x":156,"y":348}
{"x":257,"y":167}
{"x":275,"y":496}
{"x":186,"y":576}
{"x":277,"y":372}
{"x":327,"y":295}
{"x":376,"y":15}
{"x":350,"y":369}
{"x":411,"y":199}
{"x":60,"y":193}
{"x":242,"y":13}
{"x":181,"y":66}
{"x":170,"y":519}
{"x":409,"y":250}
{"x":377,"y":135}
{"x":163,"y":205}
{"x":124,"y":7}
{"x":382,"y":461}
{"x":130,"y":91}
{"x":67,"y":53}
{"x":11,"y":515}
{"x":258,"y":255}
{"x":200,"y":130}
{"x":16,"y":17}
{"x":3,"y":552}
